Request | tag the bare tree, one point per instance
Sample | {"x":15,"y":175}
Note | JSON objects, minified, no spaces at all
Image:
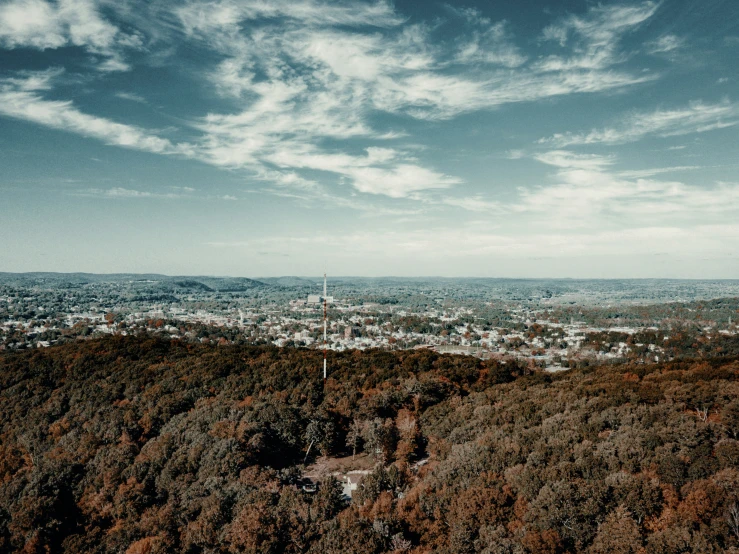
{"x":400,"y":543}
{"x":27,"y":443}
{"x":732,"y":516}
{"x":354,"y":436}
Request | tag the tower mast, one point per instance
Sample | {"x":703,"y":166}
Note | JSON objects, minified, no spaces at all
{"x":325,"y":317}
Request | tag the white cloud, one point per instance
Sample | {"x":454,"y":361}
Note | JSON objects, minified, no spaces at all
{"x":398,"y":181}
{"x":120,"y":192}
{"x":364,"y":57}
{"x":247,"y":140}
{"x":490,"y":43}
{"x":399,"y":69}
{"x":566,"y":159}
{"x":308,"y":75}
{"x":124,"y":193}
{"x":587,"y":192}
{"x":664,"y":44}
{"x":594,"y":37}
{"x":476,"y":241}
{"x":287,"y":115}
{"x":133,"y":97}
{"x":44,"y":25}
{"x":381,"y":171}
{"x":289,"y":184}
{"x":640,"y":173}
{"x":697,"y":117}
{"x":112,"y":65}
{"x":31,"y":23}
{"x":475,"y":204}
{"x":85,"y":26}
{"x":33,"y":80}
{"x":288,"y":179}
{"x":19,"y":99}
{"x":205,"y":18}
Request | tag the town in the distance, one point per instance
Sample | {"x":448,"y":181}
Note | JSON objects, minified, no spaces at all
{"x":552,"y":324}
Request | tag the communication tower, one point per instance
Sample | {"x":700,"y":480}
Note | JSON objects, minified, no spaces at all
{"x":325,"y":300}
{"x":325,"y":320}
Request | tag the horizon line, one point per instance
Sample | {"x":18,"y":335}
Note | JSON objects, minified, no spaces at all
{"x":256,"y":278}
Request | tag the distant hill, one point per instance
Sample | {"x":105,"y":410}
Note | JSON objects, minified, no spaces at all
{"x":56,"y":279}
{"x":229,"y":284}
{"x":139,"y":445}
{"x":290,"y":281}
{"x":221,"y":284}
{"x":192,"y":284}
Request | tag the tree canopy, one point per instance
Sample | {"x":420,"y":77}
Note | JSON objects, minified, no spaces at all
{"x":139,"y":445}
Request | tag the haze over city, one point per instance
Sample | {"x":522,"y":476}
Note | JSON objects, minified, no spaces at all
{"x":575,"y":139}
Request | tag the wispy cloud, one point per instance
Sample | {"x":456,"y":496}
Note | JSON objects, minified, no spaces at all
{"x":398,"y":181}
{"x":120,"y":192}
{"x":311,"y":73}
{"x":489,"y":43}
{"x":697,"y":117}
{"x":197,"y":16}
{"x":126,"y":193}
{"x":475,"y":240}
{"x":586,"y":191}
{"x":45,"y":25}
{"x":324,"y":77}
{"x":571,"y":160}
{"x":664,"y":44}
{"x":289,"y":184}
{"x":33,"y":80}
{"x":131,"y":96}
{"x":31,"y":23}
{"x":594,"y":38}
{"x":20,"y":98}
{"x":641,"y":173}
{"x":475,"y":204}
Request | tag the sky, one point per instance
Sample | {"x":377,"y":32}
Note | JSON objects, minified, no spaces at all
{"x":290,"y":137}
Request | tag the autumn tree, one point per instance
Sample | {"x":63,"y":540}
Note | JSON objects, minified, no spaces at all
{"x":618,"y":534}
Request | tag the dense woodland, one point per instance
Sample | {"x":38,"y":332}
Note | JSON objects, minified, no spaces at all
{"x":139,"y":445}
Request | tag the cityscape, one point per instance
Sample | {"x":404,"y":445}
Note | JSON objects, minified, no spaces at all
{"x":552,"y":324}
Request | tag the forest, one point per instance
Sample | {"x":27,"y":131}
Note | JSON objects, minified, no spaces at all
{"x":143,"y":445}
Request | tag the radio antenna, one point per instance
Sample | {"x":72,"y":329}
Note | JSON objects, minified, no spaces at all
{"x":325,"y":318}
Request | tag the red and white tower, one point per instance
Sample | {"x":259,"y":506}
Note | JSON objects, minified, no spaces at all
{"x":325,"y":319}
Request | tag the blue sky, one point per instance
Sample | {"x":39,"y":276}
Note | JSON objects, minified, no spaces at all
{"x":256,"y":138}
